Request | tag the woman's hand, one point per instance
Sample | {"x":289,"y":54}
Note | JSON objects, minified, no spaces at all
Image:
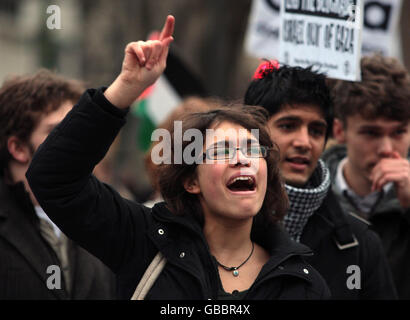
{"x":144,"y":62}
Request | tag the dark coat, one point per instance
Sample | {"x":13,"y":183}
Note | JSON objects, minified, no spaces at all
{"x":387,"y":218}
{"x":126,"y":236}
{"x":25,"y":257}
{"x":341,"y":240}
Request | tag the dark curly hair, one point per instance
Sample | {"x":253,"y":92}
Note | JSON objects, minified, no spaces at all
{"x":171,"y":177}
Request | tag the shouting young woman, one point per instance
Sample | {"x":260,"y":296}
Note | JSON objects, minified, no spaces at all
{"x":215,"y":231}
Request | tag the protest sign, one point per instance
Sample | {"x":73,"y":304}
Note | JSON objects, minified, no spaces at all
{"x":380,"y":30}
{"x":326,"y":34}
{"x":262,"y":36}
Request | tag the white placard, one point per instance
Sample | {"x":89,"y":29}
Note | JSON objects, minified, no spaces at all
{"x":325,"y":34}
{"x":381,"y":24}
{"x":380,"y":30}
{"x":262,"y":36}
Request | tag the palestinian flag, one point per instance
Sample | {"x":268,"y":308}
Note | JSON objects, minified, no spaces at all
{"x":156,"y":102}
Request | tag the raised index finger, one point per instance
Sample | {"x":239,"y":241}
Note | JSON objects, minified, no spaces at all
{"x":168,"y":28}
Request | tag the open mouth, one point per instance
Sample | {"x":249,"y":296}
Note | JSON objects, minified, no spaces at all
{"x":242,"y":183}
{"x":298,"y":160}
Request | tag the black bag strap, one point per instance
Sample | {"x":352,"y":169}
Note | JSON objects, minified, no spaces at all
{"x":343,"y":234}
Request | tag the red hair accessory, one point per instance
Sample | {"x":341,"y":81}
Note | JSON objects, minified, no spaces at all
{"x":265,"y":68}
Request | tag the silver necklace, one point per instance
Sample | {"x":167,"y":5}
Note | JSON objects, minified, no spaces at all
{"x":234,"y":270}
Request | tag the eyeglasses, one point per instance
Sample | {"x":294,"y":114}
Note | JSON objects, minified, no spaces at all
{"x":227,"y":153}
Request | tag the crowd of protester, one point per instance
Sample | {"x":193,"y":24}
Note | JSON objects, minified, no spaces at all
{"x":260,"y":210}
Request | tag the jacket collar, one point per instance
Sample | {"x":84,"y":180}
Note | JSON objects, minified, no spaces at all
{"x":270,"y":236}
{"x":329,"y":221}
{"x":17,"y":226}
{"x":320,"y":226}
{"x":17,"y":194}
{"x":275,"y":239}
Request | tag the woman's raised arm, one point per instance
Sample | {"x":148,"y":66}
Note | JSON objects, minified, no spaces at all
{"x":60,"y":174}
{"x":144,"y":62}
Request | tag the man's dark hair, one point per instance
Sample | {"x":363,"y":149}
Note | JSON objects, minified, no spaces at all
{"x":171,"y":177}
{"x":24,"y":100}
{"x":384,"y":91}
{"x":288,"y":86}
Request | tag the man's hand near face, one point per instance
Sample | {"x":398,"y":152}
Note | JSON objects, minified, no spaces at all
{"x":394,"y":169}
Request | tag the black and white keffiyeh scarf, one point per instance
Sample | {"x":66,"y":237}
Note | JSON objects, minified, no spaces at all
{"x":305,"y":201}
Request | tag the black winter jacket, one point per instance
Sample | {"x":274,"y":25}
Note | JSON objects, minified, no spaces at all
{"x":342,"y":241}
{"x":126,"y":236}
{"x":387,"y":218}
{"x":25,"y":257}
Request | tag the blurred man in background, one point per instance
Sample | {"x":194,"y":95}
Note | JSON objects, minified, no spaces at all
{"x":37,"y":260}
{"x":370,"y":169}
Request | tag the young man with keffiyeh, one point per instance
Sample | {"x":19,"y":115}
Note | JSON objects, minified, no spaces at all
{"x":300,"y":109}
